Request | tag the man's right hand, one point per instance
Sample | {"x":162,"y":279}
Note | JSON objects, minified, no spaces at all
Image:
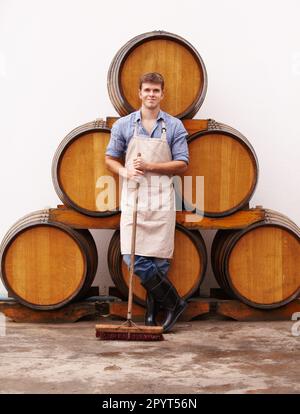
{"x":114,"y":165}
{"x":131,"y":173}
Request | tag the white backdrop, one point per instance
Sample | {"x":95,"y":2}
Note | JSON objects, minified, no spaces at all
{"x":54,"y":59}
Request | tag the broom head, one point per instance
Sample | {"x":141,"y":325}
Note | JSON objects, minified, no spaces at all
{"x":129,"y":332}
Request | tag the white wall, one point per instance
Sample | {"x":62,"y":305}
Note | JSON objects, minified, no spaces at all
{"x":54,"y":58}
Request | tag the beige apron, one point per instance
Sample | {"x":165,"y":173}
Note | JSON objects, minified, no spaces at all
{"x":156,"y":216}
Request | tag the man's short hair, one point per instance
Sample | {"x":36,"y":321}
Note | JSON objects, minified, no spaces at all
{"x":152,"y":77}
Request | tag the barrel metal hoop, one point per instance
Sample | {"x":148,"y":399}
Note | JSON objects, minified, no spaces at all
{"x":99,"y":123}
{"x":212,"y":124}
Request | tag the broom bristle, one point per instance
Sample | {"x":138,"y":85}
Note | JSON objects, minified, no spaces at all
{"x":129,"y":332}
{"x":129,"y":336}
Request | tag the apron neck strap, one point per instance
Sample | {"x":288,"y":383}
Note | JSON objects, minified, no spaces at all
{"x":135,"y":128}
{"x":163,"y":131}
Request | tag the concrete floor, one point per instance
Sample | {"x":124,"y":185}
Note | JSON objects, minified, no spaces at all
{"x":204,"y":356}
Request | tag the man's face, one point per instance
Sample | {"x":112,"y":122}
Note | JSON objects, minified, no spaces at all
{"x":151,"y":94}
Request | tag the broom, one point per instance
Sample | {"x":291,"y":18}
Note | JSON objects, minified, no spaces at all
{"x":129,"y":331}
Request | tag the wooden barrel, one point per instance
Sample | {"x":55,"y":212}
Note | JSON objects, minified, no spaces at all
{"x":186,"y":271}
{"x":46,"y":265}
{"x":176,"y":59}
{"x":259,"y":265}
{"x":229,"y":165}
{"x":79,"y":171}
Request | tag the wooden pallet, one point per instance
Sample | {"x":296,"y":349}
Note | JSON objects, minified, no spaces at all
{"x":69,"y":313}
{"x":194,"y":309}
{"x":191,"y":125}
{"x":238,"y":220}
{"x":197,"y":307}
{"x":230,"y":308}
{"x":239,"y":311}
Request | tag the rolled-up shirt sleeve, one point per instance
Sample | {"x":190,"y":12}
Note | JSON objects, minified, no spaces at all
{"x":117,"y":143}
{"x":179,"y":149}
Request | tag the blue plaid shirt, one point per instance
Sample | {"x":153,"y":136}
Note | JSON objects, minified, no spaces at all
{"x":123,"y":129}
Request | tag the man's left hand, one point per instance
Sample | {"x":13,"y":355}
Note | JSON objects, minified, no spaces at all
{"x":140,"y":164}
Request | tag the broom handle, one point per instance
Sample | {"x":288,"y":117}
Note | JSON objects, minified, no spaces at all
{"x":133,"y":237}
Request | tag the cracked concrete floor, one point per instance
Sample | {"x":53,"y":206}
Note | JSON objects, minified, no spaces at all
{"x":204,"y":356}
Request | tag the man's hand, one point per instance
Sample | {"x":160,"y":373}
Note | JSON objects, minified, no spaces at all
{"x":140,"y":164}
{"x":131,"y":173}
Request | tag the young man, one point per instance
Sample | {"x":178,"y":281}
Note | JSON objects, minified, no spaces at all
{"x":160,"y":139}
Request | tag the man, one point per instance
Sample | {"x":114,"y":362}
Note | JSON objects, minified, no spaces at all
{"x":160,"y":139}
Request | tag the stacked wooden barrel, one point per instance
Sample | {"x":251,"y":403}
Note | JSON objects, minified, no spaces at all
{"x":188,"y":245}
{"x":172,"y":56}
{"x":46,"y":264}
{"x":78,"y":168}
{"x":260,"y":263}
{"x":228,"y":163}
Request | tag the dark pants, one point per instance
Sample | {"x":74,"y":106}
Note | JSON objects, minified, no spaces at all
{"x":146,"y":267}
